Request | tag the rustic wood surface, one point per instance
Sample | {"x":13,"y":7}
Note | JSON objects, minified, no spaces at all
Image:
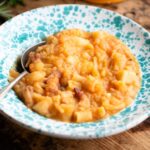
{"x":14,"y":137}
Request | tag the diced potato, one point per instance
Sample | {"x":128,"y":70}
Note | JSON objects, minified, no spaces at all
{"x":119,"y":61}
{"x":73,"y":60}
{"x":103,"y":72}
{"x":67,"y":112}
{"x":56,"y":99}
{"x":95,"y":72}
{"x":83,"y":116}
{"x":86,"y":55}
{"x":73,"y":84}
{"x":120,"y":106}
{"x":120,"y":85}
{"x":58,"y":108}
{"x":38,"y":88}
{"x":78,"y":77}
{"x":111,"y":107}
{"x":87,"y":67}
{"x":38,"y":97}
{"x":127,"y":76}
{"x":43,"y":106}
{"x":36,"y":66}
{"x":73,"y":44}
{"x":98,"y":36}
{"x":115,"y":101}
{"x":131,"y":91}
{"x":35,"y":77}
{"x":128,"y":101}
{"x":74,"y":41}
{"x":93,"y":85}
{"x":101,"y":56}
{"x":104,"y":45}
{"x":101,"y":112}
{"x":84,"y":102}
{"x":67,"y":97}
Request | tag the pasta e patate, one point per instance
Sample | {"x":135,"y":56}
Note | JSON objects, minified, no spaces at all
{"x":80,"y":76}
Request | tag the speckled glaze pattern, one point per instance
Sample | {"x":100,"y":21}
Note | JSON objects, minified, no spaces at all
{"x":31,"y":27}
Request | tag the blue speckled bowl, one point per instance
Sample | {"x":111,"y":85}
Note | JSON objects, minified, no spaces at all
{"x":31,"y":27}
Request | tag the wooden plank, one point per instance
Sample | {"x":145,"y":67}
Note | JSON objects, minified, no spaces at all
{"x":13,"y":136}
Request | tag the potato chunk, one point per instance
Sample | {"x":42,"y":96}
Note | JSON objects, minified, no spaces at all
{"x":83,"y":116}
{"x":43,"y":106}
{"x":118,"y":61}
{"x":93,"y":85}
{"x":36,"y":66}
{"x":127,"y":76}
{"x":35,"y":76}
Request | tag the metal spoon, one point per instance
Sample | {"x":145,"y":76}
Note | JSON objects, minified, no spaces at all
{"x":24,"y":59}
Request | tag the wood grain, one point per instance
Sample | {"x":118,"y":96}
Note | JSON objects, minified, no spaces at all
{"x":14,"y":137}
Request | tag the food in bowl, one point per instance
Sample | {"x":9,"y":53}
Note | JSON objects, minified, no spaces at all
{"x":80,"y":76}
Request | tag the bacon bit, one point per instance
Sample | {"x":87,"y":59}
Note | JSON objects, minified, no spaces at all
{"x":78,"y":93}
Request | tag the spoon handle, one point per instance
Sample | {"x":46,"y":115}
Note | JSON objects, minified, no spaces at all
{"x":4,"y":91}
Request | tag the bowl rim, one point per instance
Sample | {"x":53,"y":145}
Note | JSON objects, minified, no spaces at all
{"x":131,"y":125}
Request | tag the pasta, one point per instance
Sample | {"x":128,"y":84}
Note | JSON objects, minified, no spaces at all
{"x":80,"y":76}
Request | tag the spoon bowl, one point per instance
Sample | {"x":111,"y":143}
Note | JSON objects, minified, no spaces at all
{"x":24,"y":59}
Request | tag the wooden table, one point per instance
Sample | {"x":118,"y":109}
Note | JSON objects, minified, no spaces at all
{"x":14,"y":137}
